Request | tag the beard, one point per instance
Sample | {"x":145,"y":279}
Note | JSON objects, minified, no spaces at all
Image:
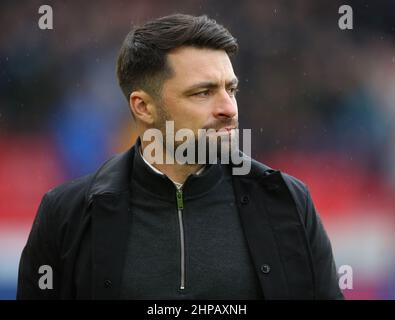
{"x":208,"y":144}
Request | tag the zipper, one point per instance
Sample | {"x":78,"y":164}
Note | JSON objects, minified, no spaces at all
{"x":180,"y":207}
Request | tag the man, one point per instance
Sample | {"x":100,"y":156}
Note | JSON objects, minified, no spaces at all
{"x":137,"y":229}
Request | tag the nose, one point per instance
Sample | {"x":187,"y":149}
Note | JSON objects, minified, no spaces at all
{"x":225,"y":106}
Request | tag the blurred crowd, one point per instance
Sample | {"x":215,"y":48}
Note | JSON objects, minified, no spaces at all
{"x":320,"y":102}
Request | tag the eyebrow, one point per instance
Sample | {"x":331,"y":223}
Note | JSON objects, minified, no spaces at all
{"x":210,"y":85}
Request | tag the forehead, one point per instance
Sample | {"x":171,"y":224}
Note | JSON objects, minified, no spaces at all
{"x":191,"y":65}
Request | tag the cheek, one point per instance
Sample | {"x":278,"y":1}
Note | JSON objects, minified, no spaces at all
{"x":190,"y":121}
{"x":189,"y":115}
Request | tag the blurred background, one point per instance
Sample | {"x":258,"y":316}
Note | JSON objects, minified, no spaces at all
{"x":320,"y":102}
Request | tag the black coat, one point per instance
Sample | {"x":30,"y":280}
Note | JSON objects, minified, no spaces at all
{"x":81,"y":231}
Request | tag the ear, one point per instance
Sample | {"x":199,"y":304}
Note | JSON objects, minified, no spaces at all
{"x":142,"y":106}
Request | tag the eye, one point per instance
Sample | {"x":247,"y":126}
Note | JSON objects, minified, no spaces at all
{"x":204,"y":93}
{"x":232,"y":91}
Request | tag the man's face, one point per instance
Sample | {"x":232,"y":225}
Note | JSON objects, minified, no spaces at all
{"x":201,"y":92}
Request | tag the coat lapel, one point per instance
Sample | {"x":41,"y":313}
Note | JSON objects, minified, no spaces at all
{"x":260,"y":238}
{"x":110,"y":228}
{"x":275,"y":235}
{"x":109,"y":206}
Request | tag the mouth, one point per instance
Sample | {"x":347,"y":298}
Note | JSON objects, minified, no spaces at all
{"x":225,"y":129}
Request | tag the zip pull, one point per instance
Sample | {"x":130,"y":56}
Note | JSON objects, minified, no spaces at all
{"x":180,"y":201}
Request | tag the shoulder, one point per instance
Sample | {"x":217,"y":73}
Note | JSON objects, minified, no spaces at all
{"x":259,"y":169}
{"x":70,"y":191}
{"x":63,"y":206}
{"x":110,"y":177}
{"x":297,"y":188}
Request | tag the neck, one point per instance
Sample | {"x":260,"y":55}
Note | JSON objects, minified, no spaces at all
{"x":176,"y":172}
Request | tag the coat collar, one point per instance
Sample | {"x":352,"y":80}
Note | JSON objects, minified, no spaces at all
{"x":113,"y":177}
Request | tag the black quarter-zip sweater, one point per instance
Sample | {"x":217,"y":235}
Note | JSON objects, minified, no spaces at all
{"x":190,"y":248}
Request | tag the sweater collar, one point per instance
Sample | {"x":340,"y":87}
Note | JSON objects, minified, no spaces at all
{"x":177,"y":184}
{"x":156,"y":182}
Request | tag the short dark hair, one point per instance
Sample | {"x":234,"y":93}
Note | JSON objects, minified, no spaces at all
{"x":142,"y":58}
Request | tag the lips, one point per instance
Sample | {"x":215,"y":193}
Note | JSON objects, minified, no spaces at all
{"x":226,"y":129}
